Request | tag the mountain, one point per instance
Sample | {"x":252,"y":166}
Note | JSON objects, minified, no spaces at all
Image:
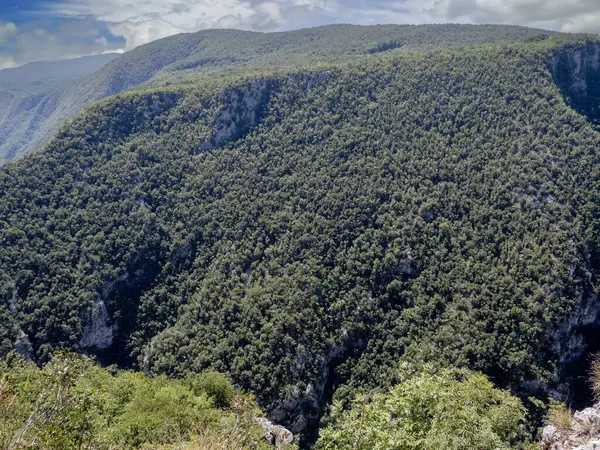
{"x":306,"y":225}
{"x":33,"y":115}
{"x":30,"y":95}
{"x":42,"y":71}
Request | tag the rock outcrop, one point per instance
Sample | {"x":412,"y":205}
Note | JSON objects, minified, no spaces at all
{"x":583,"y":434}
{"x":576,"y":70}
{"x":275,"y":434}
{"x":98,"y":332}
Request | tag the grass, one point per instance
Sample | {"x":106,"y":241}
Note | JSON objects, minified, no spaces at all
{"x":595,"y":376}
{"x":560,"y":416}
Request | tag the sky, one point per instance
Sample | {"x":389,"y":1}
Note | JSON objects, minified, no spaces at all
{"x":44,"y":30}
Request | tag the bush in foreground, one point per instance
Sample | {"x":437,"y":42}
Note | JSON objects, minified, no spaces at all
{"x":73,"y":404}
{"x":429,"y":409}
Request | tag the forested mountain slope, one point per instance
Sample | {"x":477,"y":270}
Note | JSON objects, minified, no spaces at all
{"x":30,"y":117}
{"x":305,"y":231}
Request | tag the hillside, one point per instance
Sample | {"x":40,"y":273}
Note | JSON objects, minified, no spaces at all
{"x":304,"y":230}
{"x":30,"y":95}
{"x":33,"y":115}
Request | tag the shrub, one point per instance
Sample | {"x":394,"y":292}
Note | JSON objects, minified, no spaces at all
{"x":429,"y":409}
{"x":51,"y":407}
{"x":595,"y":376}
{"x":159,"y":411}
{"x":72,"y":403}
{"x":215,"y":385}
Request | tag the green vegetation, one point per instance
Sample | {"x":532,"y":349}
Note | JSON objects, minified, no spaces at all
{"x":31,"y":114}
{"x":213,"y":384}
{"x":303,"y":230}
{"x":594,"y":376}
{"x":428,"y":410}
{"x":71,"y":403}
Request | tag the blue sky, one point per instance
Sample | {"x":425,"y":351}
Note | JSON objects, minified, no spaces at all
{"x":34,"y":30}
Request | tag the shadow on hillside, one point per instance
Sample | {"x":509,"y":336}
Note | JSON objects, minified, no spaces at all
{"x":576,"y":70}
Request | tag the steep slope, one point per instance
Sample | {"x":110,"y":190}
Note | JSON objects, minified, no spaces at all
{"x":305,"y":231}
{"x":29,"y":119}
{"x":30,"y":94}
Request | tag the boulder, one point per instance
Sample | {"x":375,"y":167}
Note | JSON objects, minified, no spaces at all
{"x":275,"y":434}
{"x":592,"y":445}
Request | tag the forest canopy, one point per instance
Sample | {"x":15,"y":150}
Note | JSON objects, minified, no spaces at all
{"x":303,"y":229}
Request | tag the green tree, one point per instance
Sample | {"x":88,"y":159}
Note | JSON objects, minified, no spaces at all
{"x":73,"y":404}
{"x":215,"y":385}
{"x":429,"y":409}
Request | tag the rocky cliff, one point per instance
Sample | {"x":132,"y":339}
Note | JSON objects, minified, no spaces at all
{"x":576,"y":70}
{"x":582,"y":434}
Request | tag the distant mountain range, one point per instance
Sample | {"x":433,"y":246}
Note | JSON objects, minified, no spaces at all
{"x":34,"y":99}
{"x":56,"y":70}
{"x":33,"y":110}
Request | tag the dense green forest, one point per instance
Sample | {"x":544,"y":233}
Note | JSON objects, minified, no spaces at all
{"x":303,"y":230}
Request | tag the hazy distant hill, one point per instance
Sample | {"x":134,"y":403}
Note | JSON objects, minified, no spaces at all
{"x":42,"y":71}
{"x":31,"y":94}
{"x":30,"y":116}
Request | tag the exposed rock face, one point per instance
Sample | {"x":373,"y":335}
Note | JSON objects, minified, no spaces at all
{"x":275,"y":434}
{"x":584,"y":433}
{"x":578,"y":63}
{"x":304,"y":408}
{"x":576,"y":70}
{"x":318,"y":78}
{"x":23,"y":346}
{"x":98,"y":333}
{"x":244,"y":109}
{"x":567,"y":340}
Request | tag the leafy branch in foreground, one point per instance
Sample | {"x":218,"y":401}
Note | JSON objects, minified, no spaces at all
{"x":429,"y":409}
{"x":73,"y":404}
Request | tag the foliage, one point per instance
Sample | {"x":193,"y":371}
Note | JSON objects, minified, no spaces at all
{"x":301,"y":231}
{"x":215,"y":385}
{"x":429,"y":409}
{"x":559,"y":415}
{"x":595,"y":376}
{"x":71,"y":403}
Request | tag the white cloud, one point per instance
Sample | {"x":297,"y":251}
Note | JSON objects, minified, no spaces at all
{"x":583,"y":23}
{"x":6,"y":61}
{"x":7,"y":31}
{"x":138,"y":33}
{"x":35,"y":46}
{"x":34,"y":41}
{"x":97,"y":26}
{"x":142,"y":22}
{"x":561,"y":15}
{"x":303,"y":13}
{"x":312,"y":5}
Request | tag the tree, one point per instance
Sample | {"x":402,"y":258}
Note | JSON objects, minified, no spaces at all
{"x":428,"y":409}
